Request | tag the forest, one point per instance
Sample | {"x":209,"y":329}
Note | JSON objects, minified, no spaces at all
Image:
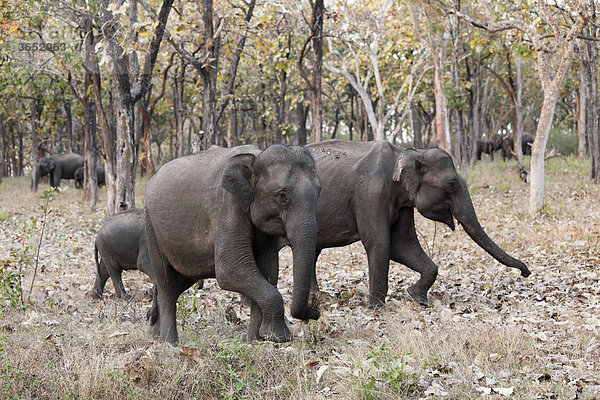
{"x":116,"y":93}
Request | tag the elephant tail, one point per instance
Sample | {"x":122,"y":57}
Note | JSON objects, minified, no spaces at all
{"x":96,"y":259}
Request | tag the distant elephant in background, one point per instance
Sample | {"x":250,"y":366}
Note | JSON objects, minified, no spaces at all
{"x":369,"y":193}
{"x":57,"y":166}
{"x":489,"y":147}
{"x":508,"y":143}
{"x":485,"y":147}
{"x":99,"y":175}
{"x":121,"y":243}
{"x":526,"y":143}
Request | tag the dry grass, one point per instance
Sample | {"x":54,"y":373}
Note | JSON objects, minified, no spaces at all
{"x":489,"y":333}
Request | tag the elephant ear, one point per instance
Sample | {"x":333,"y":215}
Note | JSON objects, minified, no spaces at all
{"x":408,"y":171}
{"x":51,"y":164}
{"x":237,"y":179}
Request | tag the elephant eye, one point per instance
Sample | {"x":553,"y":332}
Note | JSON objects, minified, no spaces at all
{"x":452,"y":185}
{"x":282,"y":197}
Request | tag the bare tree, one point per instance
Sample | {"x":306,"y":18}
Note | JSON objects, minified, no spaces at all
{"x":554,"y":60}
{"x":127,"y":94}
{"x":436,"y":44}
{"x":360,"y":80}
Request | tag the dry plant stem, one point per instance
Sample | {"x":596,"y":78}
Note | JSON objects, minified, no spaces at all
{"x":37,"y":255}
{"x":523,"y":173}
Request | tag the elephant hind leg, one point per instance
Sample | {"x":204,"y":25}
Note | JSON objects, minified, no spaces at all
{"x":374,"y":231}
{"x":406,"y":249}
{"x":100,"y":282}
{"x":114,"y":271}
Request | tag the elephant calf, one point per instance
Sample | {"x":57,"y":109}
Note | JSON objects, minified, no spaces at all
{"x":79,"y":176}
{"x":121,"y":242}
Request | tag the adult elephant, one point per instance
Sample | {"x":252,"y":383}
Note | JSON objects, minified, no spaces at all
{"x":221,"y":214}
{"x":508,"y":143}
{"x":57,"y":166}
{"x":99,"y":175}
{"x":369,"y":192}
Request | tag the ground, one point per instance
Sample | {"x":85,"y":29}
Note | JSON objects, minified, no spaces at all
{"x":489,"y":333}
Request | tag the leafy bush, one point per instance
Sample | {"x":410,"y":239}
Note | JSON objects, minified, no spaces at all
{"x":565,"y":140}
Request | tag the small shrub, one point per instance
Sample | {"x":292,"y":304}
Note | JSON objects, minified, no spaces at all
{"x":385,"y":373}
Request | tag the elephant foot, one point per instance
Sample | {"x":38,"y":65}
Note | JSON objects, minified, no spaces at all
{"x":275,"y":331}
{"x":95,"y":294}
{"x":124,"y":296}
{"x":418,"y":295}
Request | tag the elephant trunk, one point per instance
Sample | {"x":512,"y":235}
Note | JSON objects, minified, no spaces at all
{"x":464,"y":212}
{"x":302,"y":236}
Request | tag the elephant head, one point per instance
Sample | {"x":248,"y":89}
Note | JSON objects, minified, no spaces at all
{"x":45,"y":166}
{"x":279,"y":189}
{"x":440,"y":194}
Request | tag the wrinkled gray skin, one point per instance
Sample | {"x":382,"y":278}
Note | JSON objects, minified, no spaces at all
{"x":79,"y":176}
{"x":121,"y":244}
{"x":57,"y":166}
{"x":369,"y":192}
{"x":221,"y":214}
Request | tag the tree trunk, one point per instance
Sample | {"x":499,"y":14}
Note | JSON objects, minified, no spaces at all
{"x":316,"y":101}
{"x":36,"y":114}
{"x":518,"y":128}
{"x":208,"y":73}
{"x":127,"y":95}
{"x":460,"y":156}
{"x":68,"y":125}
{"x":589,"y":97}
{"x":301,"y":133}
{"x":2,"y":152}
{"x":90,"y":180}
{"x":416,"y":127}
{"x":178,"y":108}
{"x":442,"y":132}
{"x":232,"y":124}
{"x":580,"y":99}
{"x":551,"y":88}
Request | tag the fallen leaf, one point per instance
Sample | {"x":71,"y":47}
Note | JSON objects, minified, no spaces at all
{"x":485,"y":390}
{"x":321,"y":371}
{"x":191,"y":353}
{"x":504,"y":391}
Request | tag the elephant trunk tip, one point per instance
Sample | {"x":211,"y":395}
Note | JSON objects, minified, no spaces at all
{"x":525,"y":272}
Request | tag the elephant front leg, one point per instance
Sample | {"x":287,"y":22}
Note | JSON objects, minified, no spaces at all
{"x":267,"y":261}
{"x":239,"y":273}
{"x":406,"y":249}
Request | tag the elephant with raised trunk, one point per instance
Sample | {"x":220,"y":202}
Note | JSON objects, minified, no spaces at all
{"x":57,"y":166}
{"x":369,"y":193}
{"x":221,"y":214}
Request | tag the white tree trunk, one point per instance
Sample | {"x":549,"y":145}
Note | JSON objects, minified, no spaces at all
{"x":538,"y":173}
